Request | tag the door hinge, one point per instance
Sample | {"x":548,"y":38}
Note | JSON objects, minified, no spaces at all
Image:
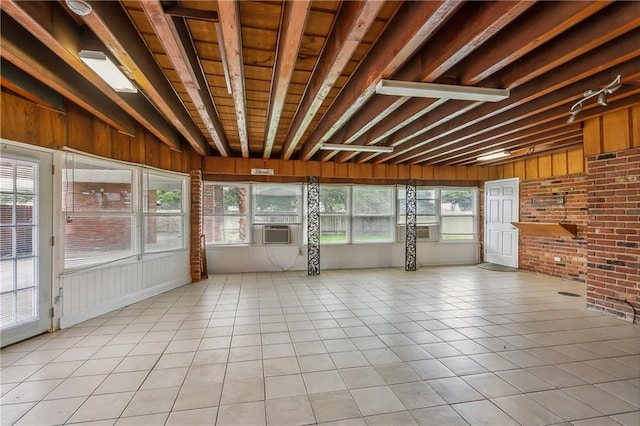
{"x":53,"y":169}
{"x":53,"y":241}
{"x":51,"y":312}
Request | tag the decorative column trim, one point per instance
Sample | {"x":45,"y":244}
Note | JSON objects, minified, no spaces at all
{"x":313,"y":225}
{"x":410,"y":241}
{"x":195,"y":225}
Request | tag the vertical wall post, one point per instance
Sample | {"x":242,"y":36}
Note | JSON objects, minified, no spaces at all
{"x":410,"y":241}
{"x":195,"y":221}
{"x":313,"y":225}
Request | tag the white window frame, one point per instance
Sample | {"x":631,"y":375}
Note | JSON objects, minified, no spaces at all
{"x":475,"y":214}
{"x":136,"y":196}
{"x":248,"y":215}
{"x":301,"y":213}
{"x":347,"y":214}
{"x":392,"y":215}
{"x":184,"y":209}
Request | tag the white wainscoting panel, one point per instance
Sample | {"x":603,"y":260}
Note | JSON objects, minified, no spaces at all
{"x":94,"y":292}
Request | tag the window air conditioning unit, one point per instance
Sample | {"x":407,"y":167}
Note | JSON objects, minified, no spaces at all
{"x":276,"y":234}
{"x":423,"y":233}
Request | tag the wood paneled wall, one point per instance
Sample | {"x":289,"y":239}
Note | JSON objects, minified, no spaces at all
{"x":614,"y":131}
{"x":560,"y":163}
{"x":224,"y":168}
{"x":24,"y":121}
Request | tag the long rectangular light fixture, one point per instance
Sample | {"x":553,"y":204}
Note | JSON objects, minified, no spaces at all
{"x":356,"y":148}
{"x":107,"y":70}
{"x":441,"y":91}
{"x":494,"y":156}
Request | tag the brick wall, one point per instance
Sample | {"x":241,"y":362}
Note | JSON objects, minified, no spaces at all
{"x":195,"y":257}
{"x":613,"y":257}
{"x":536,"y":253}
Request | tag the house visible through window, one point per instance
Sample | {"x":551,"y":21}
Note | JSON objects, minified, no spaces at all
{"x":164,"y":219}
{"x":225,"y":211}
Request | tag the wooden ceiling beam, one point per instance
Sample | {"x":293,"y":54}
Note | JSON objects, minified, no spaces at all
{"x":183,"y":58}
{"x":419,"y":133}
{"x":413,"y":109}
{"x":448,"y":47}
{"x":291,"y":35}
{"x":65,"y":40}
{"x":13,"y":78}
{"x":546,"y":21}
{"x":25,"y":52}
{"x":559,"y":134}
{"x":229,"y":13}
{"x":511,"y":47}
{"x":112,"y":26}
{"x":409,"y":29}
{"x":550,"y":118}
{"x":612,"y":22}
{"x":351,"y":25}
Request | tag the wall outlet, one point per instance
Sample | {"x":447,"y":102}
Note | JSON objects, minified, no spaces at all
{"x":557,"y":259}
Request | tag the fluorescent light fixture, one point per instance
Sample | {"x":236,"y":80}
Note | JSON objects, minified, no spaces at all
{"x":442,"y":91}
{"x":494,"y":156}
{"x":107,"y":70}
{"x":356,"y":148}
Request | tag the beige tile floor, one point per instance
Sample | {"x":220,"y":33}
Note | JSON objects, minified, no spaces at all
{"x":440,"y":346}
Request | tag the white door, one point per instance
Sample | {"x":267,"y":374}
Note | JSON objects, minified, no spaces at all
{"x":26,"y":226}
{"x":501,"y":208}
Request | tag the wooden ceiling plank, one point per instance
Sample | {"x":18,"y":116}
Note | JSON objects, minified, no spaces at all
{"x":30,"y":88}
{"x":411,"y":111}
{"x":352,"y":23}
{"x":65,"y":40}
{"x":614,"y":21}
{"x":21,"y":50}
{"x":546,"y":20}
{"x":559,"y":134}
{"x":232,"y":37}
{"x":412,"y":25}
{"x":449,"y":46}
{"x":111,"y":25}
{"x":548,"y":118}
{"x":166,"y":31}
{"x":292,"y":30}
{"x":418,"y":134}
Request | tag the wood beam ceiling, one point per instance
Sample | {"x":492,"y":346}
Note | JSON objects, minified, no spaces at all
{"x":292,"y":28}
{"x":111,"y":25}
{"x":180,"y":52}
{"x":232,"y":40}
{"x":352,"y":22}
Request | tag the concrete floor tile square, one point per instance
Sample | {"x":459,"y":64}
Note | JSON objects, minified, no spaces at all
{"x":333,"y":406}
{"x":323,"y":381}
{"x":250,"y":413}
{"x":525,"y":410}
{"x":377,"y":400}
{"x":292,"y":411}
{"x":284,"y":386}
{"x":416,"y":395}
{"x":402,"y":418}
{"x":200,"y":416}
{"x":198,"y":395}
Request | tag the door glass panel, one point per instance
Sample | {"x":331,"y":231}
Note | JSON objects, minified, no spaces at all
{"x":18,"y":243}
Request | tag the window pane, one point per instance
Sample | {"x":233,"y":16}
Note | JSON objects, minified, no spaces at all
{"x":457,"y":202}
{"x":333,"y":229}
{"x":164,"y":233}
{"x":89,"y":186}
{"x":277,"y":203}
{"x":372,"y":229}
{"x":162,"y":193}
{"x":225,"y":199}
{"x":425,"y":206}
{"x":225,"y":229}
{"x":372,"y":200}
{"x":461,"y":226}
{"x":334,"y":199}
{"x":97,"y":239}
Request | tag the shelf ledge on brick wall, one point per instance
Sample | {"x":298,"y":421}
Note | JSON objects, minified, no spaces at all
{"x":547,"y":229}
